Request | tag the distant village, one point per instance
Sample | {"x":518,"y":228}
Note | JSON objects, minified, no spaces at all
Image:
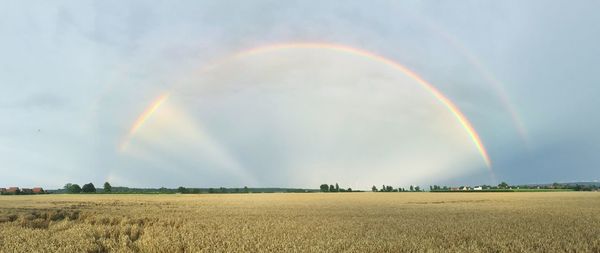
{"x":21,"y":191}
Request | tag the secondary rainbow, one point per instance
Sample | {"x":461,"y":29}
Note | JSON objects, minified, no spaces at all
{"x":460,"y":117}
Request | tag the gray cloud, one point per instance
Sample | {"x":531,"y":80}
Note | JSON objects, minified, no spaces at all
{"x":82,"y":72}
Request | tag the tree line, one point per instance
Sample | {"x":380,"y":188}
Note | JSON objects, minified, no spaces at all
{"x":332,"y":188}
{"x":90,"y":189}
{"x":503,"y":186}
{"x":87,"y":188}
{"x":384,"y":188}
{"x":388,"y":188}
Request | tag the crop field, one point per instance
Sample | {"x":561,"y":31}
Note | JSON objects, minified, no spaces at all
{"x":309,"y":222}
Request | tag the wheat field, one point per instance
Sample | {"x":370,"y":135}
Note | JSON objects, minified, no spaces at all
{"x":310,"y":222}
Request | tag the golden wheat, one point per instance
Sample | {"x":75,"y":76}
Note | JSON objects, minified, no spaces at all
{"x":350,"y":222}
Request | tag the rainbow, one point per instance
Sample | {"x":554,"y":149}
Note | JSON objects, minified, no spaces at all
{"x":143,"y":118}
{"x":466,"y":124}
{"x":460,"y":117}
{"x":485,"y":73}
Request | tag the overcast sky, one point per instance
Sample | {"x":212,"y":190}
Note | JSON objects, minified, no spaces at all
{"x":75,"y":75}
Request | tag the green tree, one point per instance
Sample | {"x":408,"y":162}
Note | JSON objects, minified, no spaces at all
{"x":349,"y":190}
{"x":88,"y":188}
{"x":503,"y":185}
{"x":332,"y":188}
{"x":337,"y":187}
{"x":182,"y":189}
{"x":324,"y":188}
{"x":417,"y":188}
{"x":374,"y":188}
{"x":412,"y":188}
{"x":107,"y":187}
{"x":72,"y":188}
{"x":246,"y":190}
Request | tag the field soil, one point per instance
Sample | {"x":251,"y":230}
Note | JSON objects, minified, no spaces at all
{"x":303,"y":222}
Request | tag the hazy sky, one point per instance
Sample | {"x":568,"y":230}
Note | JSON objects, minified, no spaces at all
{"x":75,"y":75}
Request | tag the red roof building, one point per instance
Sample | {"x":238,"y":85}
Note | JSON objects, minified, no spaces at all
{"x":12,"y":190}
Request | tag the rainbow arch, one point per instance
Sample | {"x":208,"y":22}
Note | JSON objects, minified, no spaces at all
{"x":460,"y":117}
{"x":142,"y":119}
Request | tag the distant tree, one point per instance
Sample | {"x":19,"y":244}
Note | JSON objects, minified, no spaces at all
{"x":374,"y":189}
{"x":503,"y":185}
{"x":430,"y":188}
{"x":162,"y":190}
{"x":332,"y":188}
{"x":324,"y":188}
{"x":211,"y":190}
{"x":412,"y":188}
{"x":182,"y":189}
{"x":417,"y":188}
{"x":349,"y":190}
{"x":107,"y":187}
{"x":88,"y":188}
{"x":337,"y":187}
{"x":389,"y":188}
{"x":246,"y":189}
{"x":72,"y":188}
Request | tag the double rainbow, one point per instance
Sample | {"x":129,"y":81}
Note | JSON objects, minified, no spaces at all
{"x":460,"y":117}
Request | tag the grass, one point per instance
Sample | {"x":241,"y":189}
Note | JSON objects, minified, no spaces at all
{"x":319,"y":222}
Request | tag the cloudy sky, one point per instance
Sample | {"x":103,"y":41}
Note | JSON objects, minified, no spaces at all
{"x":76,"y":76}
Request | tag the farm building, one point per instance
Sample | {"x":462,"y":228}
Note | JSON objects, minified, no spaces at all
{"x":478,"y":188}
{"x":17,"y":190}
{"x":13,"y":190}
